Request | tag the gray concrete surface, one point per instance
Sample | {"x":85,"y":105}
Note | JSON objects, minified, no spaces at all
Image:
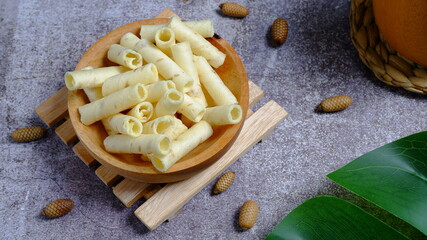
{"x":40,"y":40}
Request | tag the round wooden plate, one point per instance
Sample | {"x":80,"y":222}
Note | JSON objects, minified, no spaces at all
{"x":232,"y":72}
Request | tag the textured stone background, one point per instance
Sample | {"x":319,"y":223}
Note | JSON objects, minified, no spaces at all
{"x":40,"y":40}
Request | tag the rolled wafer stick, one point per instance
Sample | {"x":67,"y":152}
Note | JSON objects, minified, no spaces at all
{"x":184,"y":144}
{"x":166,"y":66}
{"x":143,"y":111}
{"x":165,"y":38}
{"x":112,"y":104}
{"x":169,"y":103}
{"x":203,"y":27}
{"x":199,"y":45}
{"x":89,"y":78}
{"x":223,"y":115}
{"x":183,"y":56}
{"x":125,"y":124}
{"x":146,"y":75}
{"x":124,"y":56}
{"x":144,"y":144}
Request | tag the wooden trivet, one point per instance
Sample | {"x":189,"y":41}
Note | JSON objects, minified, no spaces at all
{"x":375,"y":52}
{"x":164,"y":201}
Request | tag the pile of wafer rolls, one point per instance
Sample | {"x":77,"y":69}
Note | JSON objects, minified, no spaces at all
{"x":161,"y":78}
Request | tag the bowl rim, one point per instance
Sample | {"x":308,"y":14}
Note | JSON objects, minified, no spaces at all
{"x":111,"y":161}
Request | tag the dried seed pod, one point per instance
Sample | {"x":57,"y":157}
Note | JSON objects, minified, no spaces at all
{"x":334,"y":104}
{"x":58,"y":208}
{"x":28,"y":134}
{"x":248,"y":214}
{"x":279,"y":31}
{"x":233,"y":10}
{"x":224,"y":182}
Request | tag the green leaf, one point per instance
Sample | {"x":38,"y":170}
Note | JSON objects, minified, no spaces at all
{"x":393,"y":177}
{"x":330,"y":218}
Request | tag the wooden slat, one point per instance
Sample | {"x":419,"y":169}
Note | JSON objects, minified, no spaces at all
{"x":174,"y":195}
{"x":151,"y":190}
{"x":54,"y":108}
{"x":173,"y":215}
{"x":129,"y":191}
{"x":107,"y":176}
{"x":84,"y":155}
{"x":249,"y":113}
{"x":66,"y":132}
{"x":255,"y":94}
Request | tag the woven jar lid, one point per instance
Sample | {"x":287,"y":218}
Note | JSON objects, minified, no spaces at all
{"x":374,"y":51}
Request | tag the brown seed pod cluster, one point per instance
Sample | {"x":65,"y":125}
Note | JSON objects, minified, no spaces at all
{"x":58,"y":208}
{"x":233,"y":10}
{"x":334,"y":104}
{"x":28,"y":134}
{"x":224,"y":182}
{"x":248,"y":214}
{"x":279,"y":31}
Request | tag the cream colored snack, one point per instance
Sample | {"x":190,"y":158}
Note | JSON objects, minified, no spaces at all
{"x":169,"y":103}
{"x":175,"y":129}
{"x":202,"y":27}
{"x":184,"y":144}
{"x":129,"y":40}
{"x":143,"y":111}
{"x":158,"y":125}
{"x":199,"y":45}
{"x":124,"y":56}
{"x":125,"y":124}
{"x":144,"y":144}
{"x":166,"y":67}
{"x":191,"y":109}
{"x":158,"y":89}
{"x":183,"y":56}
{"x":213,"y":84}
{"x":90,"y":78}
{"x":223,"y":115}
{"x":168,"y":125}
{"x":94,"y":94}
{"x":112,"y":104}
{"x":164,"y":39}
{"x":146,"y":75}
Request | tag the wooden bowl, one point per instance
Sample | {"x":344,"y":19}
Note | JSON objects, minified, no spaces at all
{"x":403,"y":23}
{"x":232,"y":72}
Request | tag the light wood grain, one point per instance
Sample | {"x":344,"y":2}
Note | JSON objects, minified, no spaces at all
{"x":174,"y":195}
{"x":255,"y":94}
{"x":108,"y":177}
{"x":249,"y":113}
{"x":66,"y":132}
{"x":128,"y":191}
{"x":173,"y":215}
{"x":54,"y":109}
{"x":234,"y":76}
{"x":84,"y":155}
